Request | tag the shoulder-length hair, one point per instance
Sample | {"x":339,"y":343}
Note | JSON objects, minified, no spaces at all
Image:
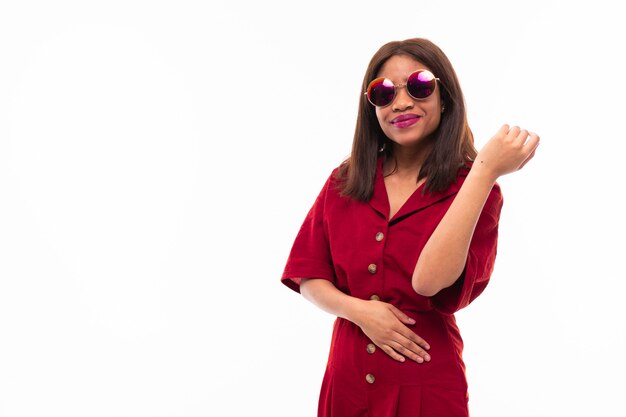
{"x":453,"y":142}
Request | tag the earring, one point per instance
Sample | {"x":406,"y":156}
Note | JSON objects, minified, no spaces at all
{"x":443,"y":108}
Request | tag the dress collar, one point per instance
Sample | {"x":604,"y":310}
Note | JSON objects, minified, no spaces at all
{"x":416,"y":202}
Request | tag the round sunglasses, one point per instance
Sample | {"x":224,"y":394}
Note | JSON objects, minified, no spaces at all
{"x":420,"y":85}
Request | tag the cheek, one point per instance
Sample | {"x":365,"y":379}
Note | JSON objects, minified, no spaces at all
{"x":380,"y":116}
{"x":437,"y":118}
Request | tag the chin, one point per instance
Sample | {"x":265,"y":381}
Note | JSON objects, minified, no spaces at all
{"x":409,"y":142}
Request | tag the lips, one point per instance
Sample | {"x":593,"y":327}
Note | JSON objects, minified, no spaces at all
{"x":405,"y":120}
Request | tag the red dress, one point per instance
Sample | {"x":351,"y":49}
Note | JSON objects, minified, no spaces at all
{"x":365,"y":255}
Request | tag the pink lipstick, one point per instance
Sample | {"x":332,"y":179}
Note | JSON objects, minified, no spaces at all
{"x":405,"y":120}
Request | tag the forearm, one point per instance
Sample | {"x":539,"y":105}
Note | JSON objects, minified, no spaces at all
{"x":326,"y":296}
{"x":443,"y":258}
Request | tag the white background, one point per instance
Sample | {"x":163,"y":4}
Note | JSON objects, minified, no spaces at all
{"x":157,"y":159}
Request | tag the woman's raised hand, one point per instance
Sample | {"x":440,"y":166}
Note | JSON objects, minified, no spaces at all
{"x":386,"y":326}
{"x":507,"y":151}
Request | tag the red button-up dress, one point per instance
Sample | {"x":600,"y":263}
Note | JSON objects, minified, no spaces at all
{"x":364,"y":254}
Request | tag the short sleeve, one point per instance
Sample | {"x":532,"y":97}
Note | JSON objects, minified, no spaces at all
{"x":481,"y":258}
{"x":310,"y":254}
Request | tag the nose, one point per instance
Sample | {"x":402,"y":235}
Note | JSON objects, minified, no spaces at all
{"x":402,"y":100}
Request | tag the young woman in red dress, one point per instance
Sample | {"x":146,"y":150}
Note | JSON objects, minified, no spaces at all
{"x":402,"y":235}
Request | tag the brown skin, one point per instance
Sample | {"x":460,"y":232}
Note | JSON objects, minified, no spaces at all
{"x":443,"y":258}
{"x":411,"y":145}
{"x":507,"y":151}
{"x":452,"y":142}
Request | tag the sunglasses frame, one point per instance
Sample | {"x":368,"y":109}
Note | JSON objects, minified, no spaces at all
{"x":397,"y":86}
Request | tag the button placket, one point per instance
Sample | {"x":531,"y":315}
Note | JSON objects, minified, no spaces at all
{"x":373,"y":268}
{"x":375,"y":285}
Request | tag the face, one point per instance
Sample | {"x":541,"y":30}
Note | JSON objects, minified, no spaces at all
{"x":408,"y":121}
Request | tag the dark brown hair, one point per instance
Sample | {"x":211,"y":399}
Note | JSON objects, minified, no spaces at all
{"x":453,"y":142}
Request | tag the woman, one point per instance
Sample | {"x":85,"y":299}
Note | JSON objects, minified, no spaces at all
{"x":402,"y":235}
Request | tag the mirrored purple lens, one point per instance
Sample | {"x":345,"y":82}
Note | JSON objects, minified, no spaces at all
{"x":421,"y":84}
{"x":381,"y":92}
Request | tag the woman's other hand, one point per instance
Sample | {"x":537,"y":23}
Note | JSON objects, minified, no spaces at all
{"x":386,"y":326}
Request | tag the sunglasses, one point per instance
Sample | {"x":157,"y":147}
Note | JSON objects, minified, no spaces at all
{"x":420,"y":85}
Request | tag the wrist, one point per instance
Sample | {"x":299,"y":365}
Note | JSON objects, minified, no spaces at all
{"x":480,"y":172}
{"x":353,"y":309}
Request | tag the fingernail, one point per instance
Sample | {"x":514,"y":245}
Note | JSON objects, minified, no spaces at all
{"x":420,"y":359}
{"x":427,"y":358}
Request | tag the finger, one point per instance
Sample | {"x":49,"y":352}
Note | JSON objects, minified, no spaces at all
{"x":406,"y":333}
{"x":392,"y":353}
{"x":513,"y":132}
{"x":400,"y":315}
{"x":410,"y":350}
{"x":502,"y":131}
{"x":531,"y":156}
{"x":526,"y":160}
{"x":532,"y":142}
{"x":417,"y":349}
{"x":522,"y":136}
{"x":398,"y":347}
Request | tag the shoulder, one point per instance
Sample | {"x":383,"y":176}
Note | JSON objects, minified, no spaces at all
{"x":331,"y":188}
{"x":335,"y":180}
{"x":333,"y":195}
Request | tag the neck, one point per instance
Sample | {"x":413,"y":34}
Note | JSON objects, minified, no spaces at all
{"x":407,"y":161}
